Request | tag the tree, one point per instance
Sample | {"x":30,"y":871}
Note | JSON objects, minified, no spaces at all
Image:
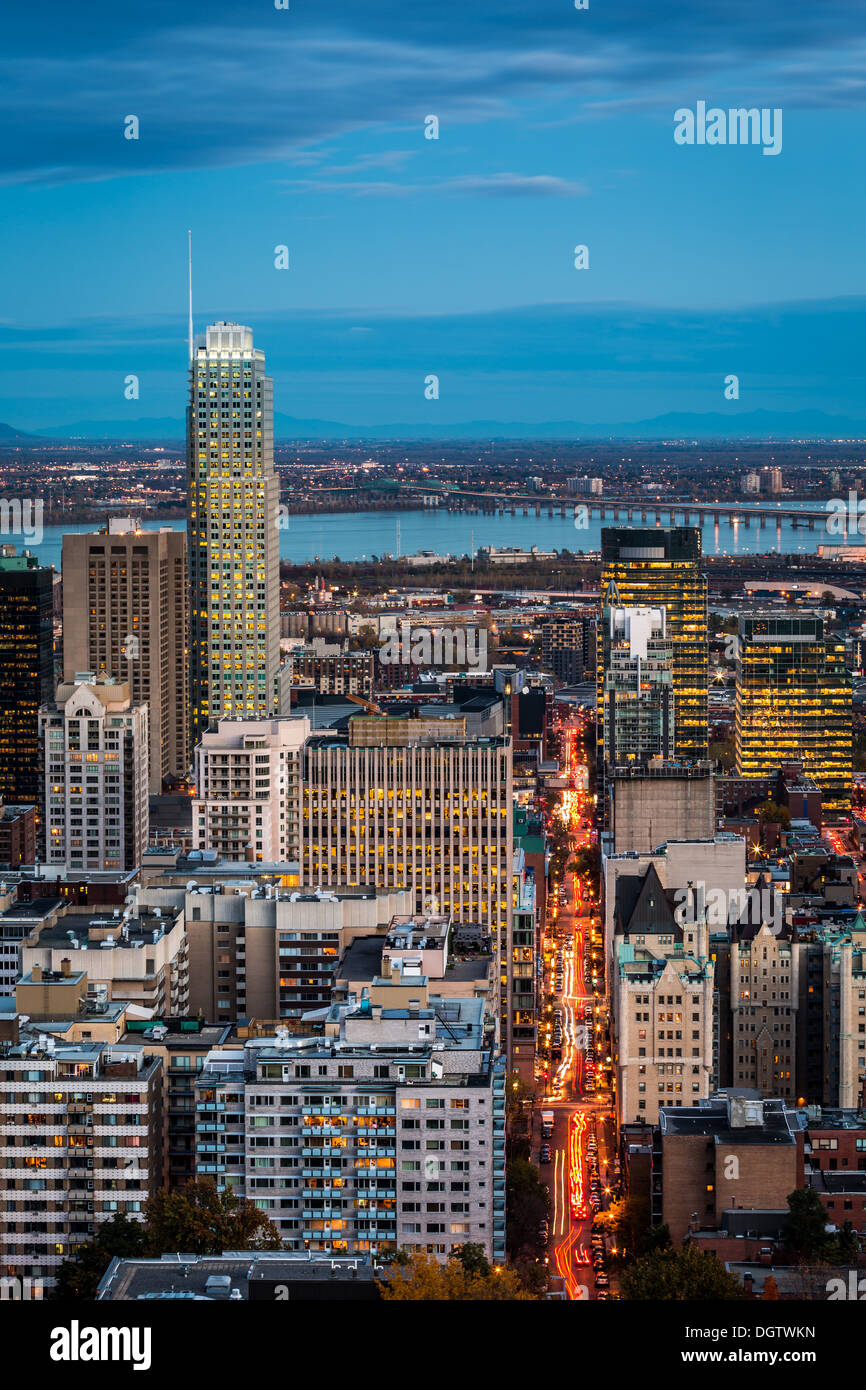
{"x":473,"y":1259}
{"x":422,"y":1279}
{"x":527,"y":1205}
{"x":195,"y":1219}
{"x":200,"y":1220}
{"x":686,"y":1275}
{"x":771,"y":813}
{"x":771,"y":1290}
{"x":848,"y":1245}
{"x":805,"y":1231}
{"x":78,"y":1277}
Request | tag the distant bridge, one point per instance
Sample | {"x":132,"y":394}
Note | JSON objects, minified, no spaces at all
{"x":614,"y":509}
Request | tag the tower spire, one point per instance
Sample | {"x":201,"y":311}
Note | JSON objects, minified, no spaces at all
{"x":189,"y":239}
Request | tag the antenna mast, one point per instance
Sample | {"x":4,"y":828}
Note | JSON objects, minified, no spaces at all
{"x":189,"y":237}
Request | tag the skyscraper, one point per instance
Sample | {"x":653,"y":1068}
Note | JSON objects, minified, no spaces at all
{"x":638,"y":711}
{"x":26,"y":670}
{"x":125,"y":614}
{"x":655,"y":567}
{"x":233,"y":537}
{"x":794,"y":702}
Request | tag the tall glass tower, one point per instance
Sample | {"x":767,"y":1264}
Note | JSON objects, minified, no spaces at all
{"x":660,"y":567}
{"x":232,"y":527}
{"x":794,"y":702}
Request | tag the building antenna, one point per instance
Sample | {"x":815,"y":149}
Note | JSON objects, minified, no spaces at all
{"x":189,"y":238}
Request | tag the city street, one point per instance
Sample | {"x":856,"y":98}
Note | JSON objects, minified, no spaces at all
{"x":581,"y":1142}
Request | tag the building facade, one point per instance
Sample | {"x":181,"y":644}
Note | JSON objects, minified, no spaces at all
{"x":126,"y":615}
{"x":794,"y":703}
{"x":387,"y":1132}
{"x":96,"y":758}
{"x":233,"y":529}
{"x":248,"y":788}
{"x":26,"y":671}
{"x":660,"y":567}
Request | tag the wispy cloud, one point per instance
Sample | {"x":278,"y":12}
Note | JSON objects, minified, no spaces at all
{"x":252,"y":85}
{"x":491,"y":185}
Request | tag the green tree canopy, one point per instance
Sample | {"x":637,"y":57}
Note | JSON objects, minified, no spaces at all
{"x":805,"y":1231}
{"x":196,"y":1219}
{"x":686,"y":1275}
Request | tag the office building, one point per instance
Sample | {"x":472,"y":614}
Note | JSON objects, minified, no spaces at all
{"x":26,"y":671}
{"x":660,"y":567}
{"x":415,"y":804}
{"x":794,"y":703}
{"x":96,"y":760}
{"x":637,"y":716}
{"x":247,"y":788}
{"x":265,"y":953}
{"x":81,"y":1141}
{"x":126,"y":615}
{"x":233,"y":535}
{"x":585,"y":487}
{"x":386,"y":1132}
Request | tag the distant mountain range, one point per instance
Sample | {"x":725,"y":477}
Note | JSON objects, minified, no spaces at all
{"x":753,"y":424}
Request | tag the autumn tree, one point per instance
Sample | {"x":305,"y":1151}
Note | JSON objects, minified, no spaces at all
{"x":423,"y":1279}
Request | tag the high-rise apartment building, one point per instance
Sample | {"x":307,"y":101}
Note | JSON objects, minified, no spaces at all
{"x":95,"y":804}
{"x":247,"y":784}
{"x":26,"y":671}
{"x":566,"y":646}
{"x":794,"y":702}
{"x":660,"y":567}
{"x":638,"y":710}
{"x":386,"y":1132}
{"x":125,"y":614}
{"x":81,"y":1140}
{"x":233,"y":535}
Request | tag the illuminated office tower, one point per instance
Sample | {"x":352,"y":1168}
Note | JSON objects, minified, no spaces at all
{"x":233,"y":536}
{"x":660,"y":567}
{"x":638,"y":714}
{"x":26,"y":670}
{"x":794,"y":702}
{"x":416,"y":803}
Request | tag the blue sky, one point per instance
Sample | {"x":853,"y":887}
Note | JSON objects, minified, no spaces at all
{"x":409,"y":256}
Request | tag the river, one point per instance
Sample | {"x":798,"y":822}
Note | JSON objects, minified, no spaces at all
{"x":360,"y":535}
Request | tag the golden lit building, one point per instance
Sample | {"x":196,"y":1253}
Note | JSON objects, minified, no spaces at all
{"x":233,"y":535}
{"x":432,"y":811}
{"x":660,"y":567}
{"x":794,"y":702}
